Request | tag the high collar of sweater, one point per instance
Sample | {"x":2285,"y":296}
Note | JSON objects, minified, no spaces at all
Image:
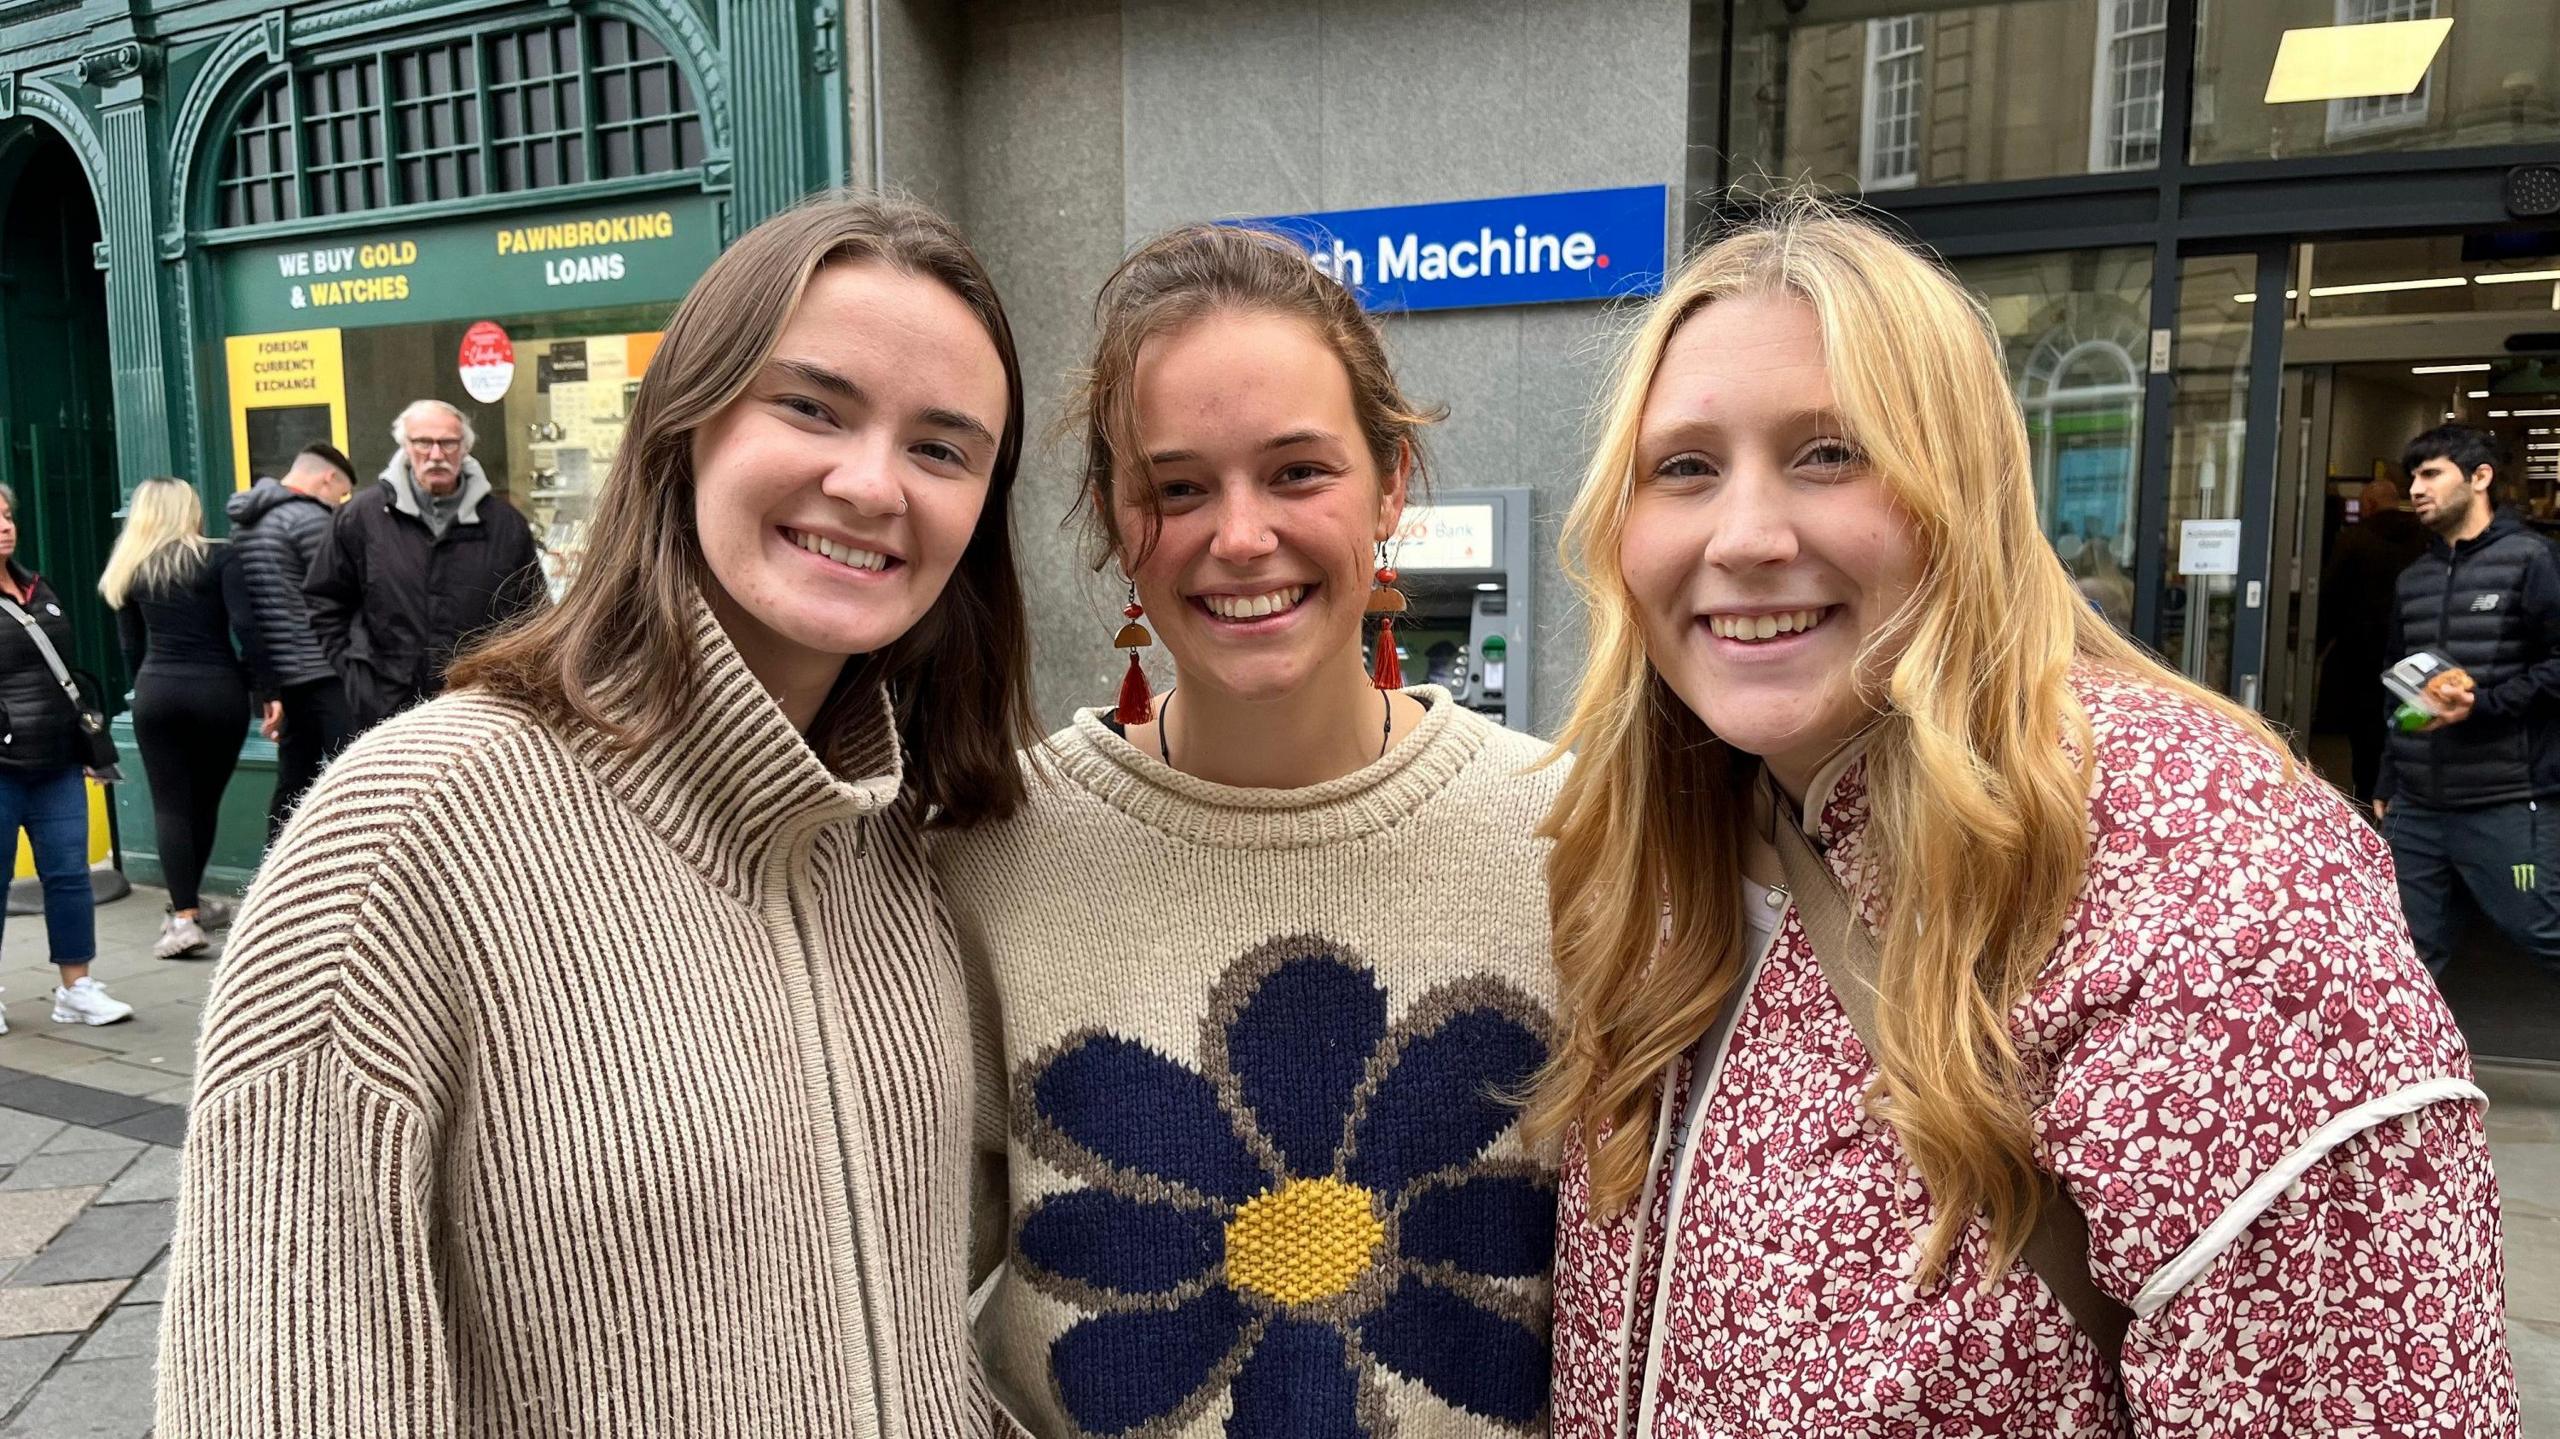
{"x":737,"y":779}
{"x":1375,"y":797}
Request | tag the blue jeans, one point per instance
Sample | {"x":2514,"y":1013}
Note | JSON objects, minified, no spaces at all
{"x":53,"y":807}
{"x":2506,"y":855}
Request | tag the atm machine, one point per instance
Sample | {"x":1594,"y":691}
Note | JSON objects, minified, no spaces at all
{"x":1462,"y":561}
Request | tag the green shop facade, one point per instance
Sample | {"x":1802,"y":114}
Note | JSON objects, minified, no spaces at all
{"x":228,"y":230}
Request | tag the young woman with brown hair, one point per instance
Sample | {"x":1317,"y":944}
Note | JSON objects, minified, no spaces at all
{"x":591,"y":1054}
{"x":1971,"y":1027}
{"x":1263,"y":961}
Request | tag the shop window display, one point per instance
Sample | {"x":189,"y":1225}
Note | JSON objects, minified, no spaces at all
{"x":547,"y":443}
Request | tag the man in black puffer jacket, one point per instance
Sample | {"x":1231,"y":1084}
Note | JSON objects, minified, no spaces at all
{"x":2462,"y":798}
{"x":276,"y":529}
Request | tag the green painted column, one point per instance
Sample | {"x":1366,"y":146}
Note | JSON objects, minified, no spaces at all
{"x":779,"y":74}
{"x":147,"y":438}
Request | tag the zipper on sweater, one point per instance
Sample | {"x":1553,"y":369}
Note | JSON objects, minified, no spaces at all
{"x":779,"y":901}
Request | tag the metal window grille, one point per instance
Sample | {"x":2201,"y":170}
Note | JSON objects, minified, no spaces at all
{"x":537,"y":109}
{"x":2137,"y":66}
{"x":258,"y":175}
{"x":536,"y":106}
{"x":2366,"y":114}
{"x":646,"y":122}
{"x":342,"y":137}
{"x":435,"y":121}
{"x":1896,"y":64}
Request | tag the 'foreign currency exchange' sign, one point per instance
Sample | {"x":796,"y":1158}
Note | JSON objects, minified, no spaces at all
{"x":1473,"y":254}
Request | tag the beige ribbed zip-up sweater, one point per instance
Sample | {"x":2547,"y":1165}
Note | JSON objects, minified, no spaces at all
{"x":551,"y":1091}
{"x":1259,"y":1048}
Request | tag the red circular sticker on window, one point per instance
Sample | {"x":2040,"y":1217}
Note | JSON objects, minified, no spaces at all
{"x":488,"y":362}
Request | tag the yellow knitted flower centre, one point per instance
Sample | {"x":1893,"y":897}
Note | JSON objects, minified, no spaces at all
{"x":1307,"y":1240}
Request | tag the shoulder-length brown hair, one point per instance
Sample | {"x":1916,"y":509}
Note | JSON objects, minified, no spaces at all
{"x":1177,"y":278}
{"x":617,"y":653}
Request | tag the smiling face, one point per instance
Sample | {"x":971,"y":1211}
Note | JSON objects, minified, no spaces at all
{"x":1763,"y":554}
{"x":1272,"y":505}
{"x":835,"y":495}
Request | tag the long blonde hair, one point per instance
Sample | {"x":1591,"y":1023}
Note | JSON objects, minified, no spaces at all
{"x":161,"y":543}
{"x":1978,"y":804}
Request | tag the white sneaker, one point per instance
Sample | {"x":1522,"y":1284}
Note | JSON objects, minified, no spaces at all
{"x":213,"y":912}
{"x":179,"y":937}
{"x":88,"y":1003}
{"x":4,"y":1021}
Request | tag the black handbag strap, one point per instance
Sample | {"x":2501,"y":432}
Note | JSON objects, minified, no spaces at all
{"x":44,"y":646}
{"x":2057,"y":1249}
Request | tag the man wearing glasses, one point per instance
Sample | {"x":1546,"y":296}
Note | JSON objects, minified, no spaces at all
{"x":416,"y":565}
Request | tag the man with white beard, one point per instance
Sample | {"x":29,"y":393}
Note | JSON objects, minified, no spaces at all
{"x":418,"y":564}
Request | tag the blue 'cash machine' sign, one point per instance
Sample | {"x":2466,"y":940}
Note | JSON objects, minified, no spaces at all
{"x":1473,"y":254}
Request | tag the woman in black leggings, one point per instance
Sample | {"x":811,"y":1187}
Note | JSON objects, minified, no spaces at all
{"x":173,"y":594}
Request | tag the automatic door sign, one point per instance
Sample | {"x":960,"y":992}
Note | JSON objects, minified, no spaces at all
{"x":2209,"y":547}
{"x":488,"y":362}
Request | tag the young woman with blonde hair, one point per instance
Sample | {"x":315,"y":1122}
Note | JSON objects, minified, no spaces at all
{"x":1970,"y":1027}
{"x":177,"y":600}
{"x":592,"y":1056}
{"x":1262,"y":962}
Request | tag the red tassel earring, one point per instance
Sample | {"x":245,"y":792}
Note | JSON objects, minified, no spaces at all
{"x":1387,"y":602}
{"x":1137,"y":703}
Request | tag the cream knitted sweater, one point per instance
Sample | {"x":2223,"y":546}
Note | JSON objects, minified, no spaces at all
{"x":550,"y":1091}
{"x":1263,"y":1174}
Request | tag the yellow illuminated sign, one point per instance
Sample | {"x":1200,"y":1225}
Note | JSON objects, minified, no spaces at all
{"x":2349,"y":62}
{"x":290,"y":370}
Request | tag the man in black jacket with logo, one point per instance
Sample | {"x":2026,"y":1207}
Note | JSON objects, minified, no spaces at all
{"x":418,"y":564}
{"x":276,"y":530}
{"x":2462,"y":797}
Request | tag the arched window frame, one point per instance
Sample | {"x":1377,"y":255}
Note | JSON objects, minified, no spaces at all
{"x":2103,"y":342}
{"x":397,"y":122}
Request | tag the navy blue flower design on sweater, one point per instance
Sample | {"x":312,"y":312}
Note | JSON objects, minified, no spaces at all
{"x":1307,"y":1217}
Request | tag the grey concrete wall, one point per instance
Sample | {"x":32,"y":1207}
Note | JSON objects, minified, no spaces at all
{"x":1087,"y":125}
{"x":922,"y":50}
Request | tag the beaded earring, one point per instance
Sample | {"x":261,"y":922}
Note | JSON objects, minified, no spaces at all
{"x":1387,"y":602}
{"x":1137,"y":704}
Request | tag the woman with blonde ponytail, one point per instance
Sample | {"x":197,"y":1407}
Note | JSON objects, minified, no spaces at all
{"x":1968,"y":1026}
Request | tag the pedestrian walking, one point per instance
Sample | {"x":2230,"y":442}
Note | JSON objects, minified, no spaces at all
{"x":46,"y":750}
{"x":174,"y":594}
{"x":2358,"y":594}
{"x":1260,"y":1152}
{"x":2461,"y":798}
{"x":479,"y":1146}
{"x":1972,"y":1026}
{"x":416,"y":566}
{"x":276,"y":529}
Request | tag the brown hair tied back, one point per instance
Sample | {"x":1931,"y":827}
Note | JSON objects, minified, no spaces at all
{"x":1177,"y":278}
{"x":617,"y":653}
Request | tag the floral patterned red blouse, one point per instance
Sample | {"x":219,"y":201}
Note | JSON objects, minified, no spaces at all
{"x":2252,"y":1089}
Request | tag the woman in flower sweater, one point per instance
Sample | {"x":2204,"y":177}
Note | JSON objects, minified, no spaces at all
{"x":1263,"y":962}
{"x":1971,"y":1027}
